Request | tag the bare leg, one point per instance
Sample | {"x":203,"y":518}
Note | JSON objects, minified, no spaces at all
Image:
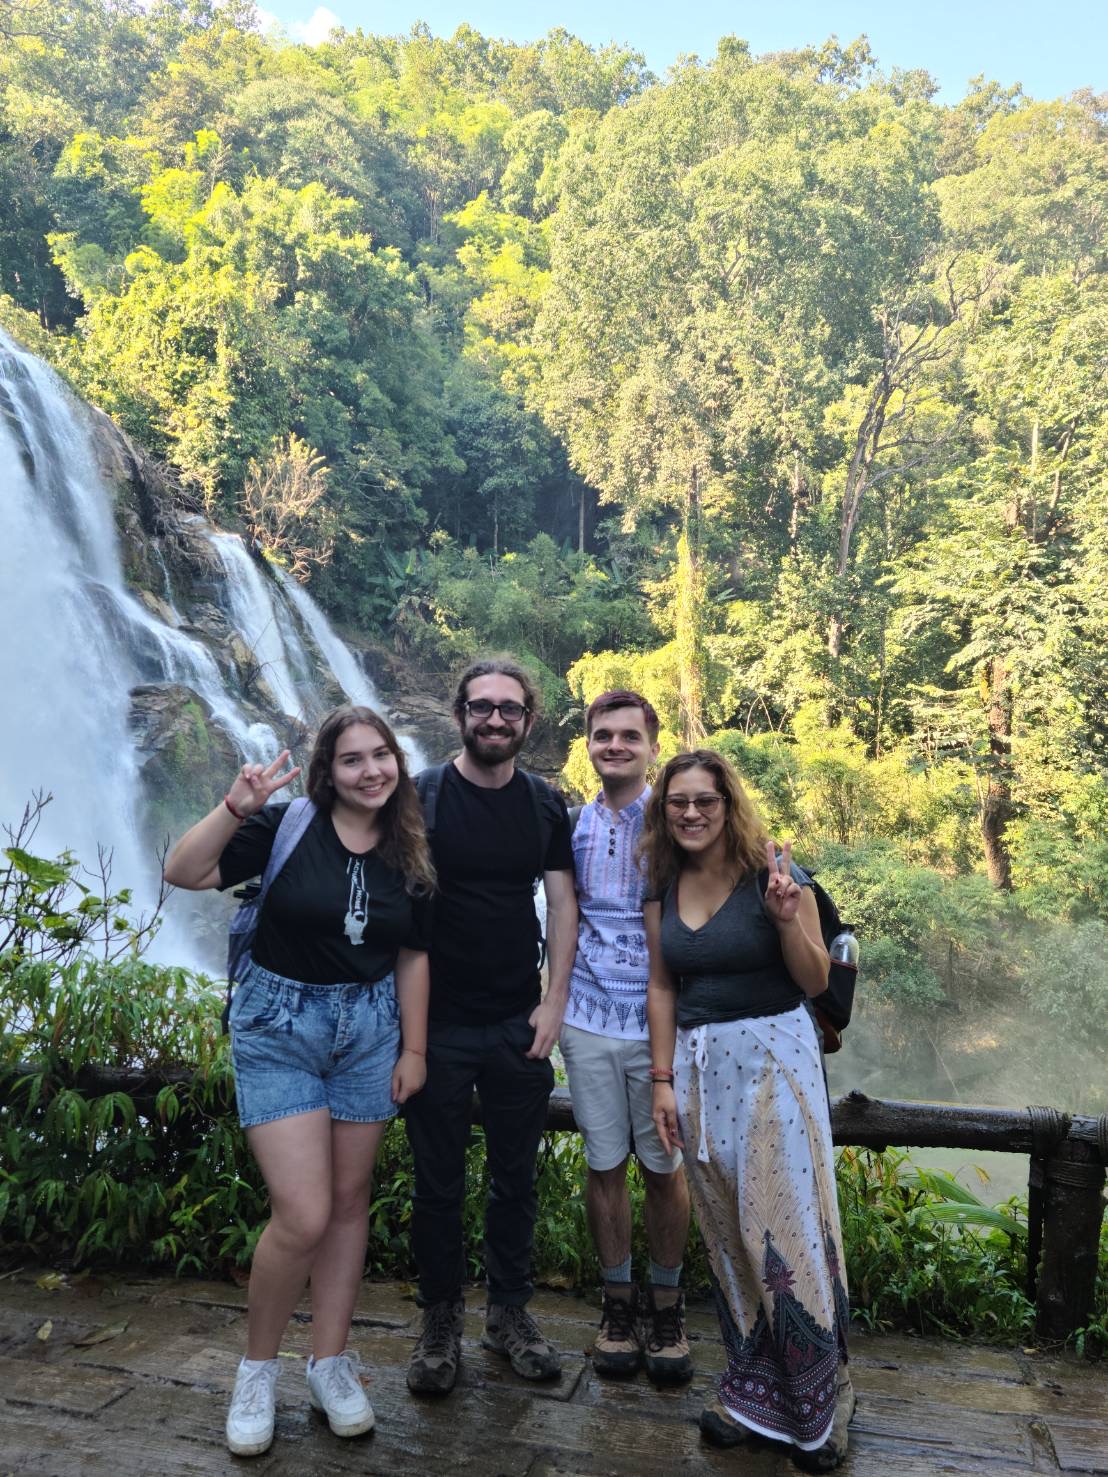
{"x":294,"y":1155}
{"x":609,"y":1210}
{"x":340,"y":1260}
{"x":666,"y":1213}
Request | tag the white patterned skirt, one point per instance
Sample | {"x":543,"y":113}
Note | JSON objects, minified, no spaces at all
{"x":753,"y":1111}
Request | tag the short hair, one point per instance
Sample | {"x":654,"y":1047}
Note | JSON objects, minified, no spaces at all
{"x":623,"y":697}
{"x":495,"y":666}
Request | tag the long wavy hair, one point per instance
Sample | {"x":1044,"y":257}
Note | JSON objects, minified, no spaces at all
{"x":744,"y":831}
{"x":403,"y":842}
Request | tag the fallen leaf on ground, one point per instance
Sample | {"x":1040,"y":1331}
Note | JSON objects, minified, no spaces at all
{"x":46,"y":1330}
{"x":100,"y":1335}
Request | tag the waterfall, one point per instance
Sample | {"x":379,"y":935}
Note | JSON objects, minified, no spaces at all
{"x":66,"y":667}
{"x":280,"y":653}
{"x":74,"y":640}
{"x":351,"y":677}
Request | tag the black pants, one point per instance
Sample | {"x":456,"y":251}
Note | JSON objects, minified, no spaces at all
{"x":514,"y":1090}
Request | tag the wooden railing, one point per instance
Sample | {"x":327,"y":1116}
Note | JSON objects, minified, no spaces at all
{"x":1067,"y":1153}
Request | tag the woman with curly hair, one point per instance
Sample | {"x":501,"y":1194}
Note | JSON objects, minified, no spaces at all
{"x":328,"y":1033}
{"x":735,"y":951}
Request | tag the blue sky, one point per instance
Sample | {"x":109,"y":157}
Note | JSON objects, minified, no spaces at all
{"x":1050,"y":48}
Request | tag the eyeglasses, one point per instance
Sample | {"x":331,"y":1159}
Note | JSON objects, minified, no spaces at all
{"x":705,"y":804}
{"x":510,"y":712}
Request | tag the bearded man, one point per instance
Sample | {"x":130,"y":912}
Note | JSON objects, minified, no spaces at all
{"x":494,"y":829}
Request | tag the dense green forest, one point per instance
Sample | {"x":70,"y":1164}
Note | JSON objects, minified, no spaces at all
{"x":773,"y":388}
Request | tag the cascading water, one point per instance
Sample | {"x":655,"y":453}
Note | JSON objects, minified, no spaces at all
{"x":65,"y":674}
{"x":74,"y":640}
{"x":351,"y":678}
{"x":269,"y":632}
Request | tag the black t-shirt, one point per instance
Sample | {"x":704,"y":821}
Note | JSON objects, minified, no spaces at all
{"x":485,"y":940}
{"x":332,"y":916}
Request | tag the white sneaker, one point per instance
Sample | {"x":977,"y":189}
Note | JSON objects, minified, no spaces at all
{"x":250,"y":1418}
{"x":334,"y":1388}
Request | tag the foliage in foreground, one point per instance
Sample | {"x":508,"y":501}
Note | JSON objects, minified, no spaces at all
{"x":166,"y":1180}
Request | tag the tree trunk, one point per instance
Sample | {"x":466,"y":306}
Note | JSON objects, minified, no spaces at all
{"x":581,"y":521}
{"x":996,"y":808}
{"x":689,"y":634}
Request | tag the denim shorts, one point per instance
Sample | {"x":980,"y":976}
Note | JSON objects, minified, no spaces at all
{"x":298,"y":1047}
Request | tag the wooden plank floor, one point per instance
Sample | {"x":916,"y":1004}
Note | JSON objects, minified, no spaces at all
{"x":128,"y":1376}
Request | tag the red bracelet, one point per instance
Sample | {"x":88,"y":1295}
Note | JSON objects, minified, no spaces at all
{"x":660,"y":1074}
{"x":238,"y":815}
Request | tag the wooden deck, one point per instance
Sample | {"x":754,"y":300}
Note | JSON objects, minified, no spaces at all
{"x":129,"y":1376}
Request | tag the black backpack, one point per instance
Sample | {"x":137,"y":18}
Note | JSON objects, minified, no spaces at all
{"x":833,"y":1008}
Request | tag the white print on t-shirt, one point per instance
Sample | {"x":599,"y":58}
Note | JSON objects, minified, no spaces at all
{"x":356,"y":906}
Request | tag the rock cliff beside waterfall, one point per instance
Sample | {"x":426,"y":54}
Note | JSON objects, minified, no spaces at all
{"x":144,"y":652}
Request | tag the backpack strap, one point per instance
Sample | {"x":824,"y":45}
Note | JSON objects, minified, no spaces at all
{"x":290,"y":832}
{"x":540,"y":794}
{"x":574,"y":816}
{"x":428,"y":783}
{"x":295,"y":821}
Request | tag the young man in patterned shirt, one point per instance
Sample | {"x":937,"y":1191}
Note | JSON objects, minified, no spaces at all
{"x":606,"y":1048}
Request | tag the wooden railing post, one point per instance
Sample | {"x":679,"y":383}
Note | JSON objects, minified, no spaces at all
{"x":1074,"y":1208}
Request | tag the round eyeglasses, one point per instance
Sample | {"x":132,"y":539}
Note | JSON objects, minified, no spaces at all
{"x":706,"y":804}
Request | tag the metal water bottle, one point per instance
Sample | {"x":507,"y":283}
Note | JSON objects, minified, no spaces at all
{"x":844,"y":948}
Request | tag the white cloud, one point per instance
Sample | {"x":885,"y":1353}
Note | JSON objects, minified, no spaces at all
{"x":311,"y":32}
{"x":316,"y":28}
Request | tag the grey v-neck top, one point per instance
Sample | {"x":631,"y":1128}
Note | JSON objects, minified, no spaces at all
{"x":732,"y":967}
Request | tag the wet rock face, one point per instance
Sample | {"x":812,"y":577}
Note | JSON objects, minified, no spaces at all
{"x":187,"y":760}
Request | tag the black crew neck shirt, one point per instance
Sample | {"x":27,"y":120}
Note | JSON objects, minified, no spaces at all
{"x":485,"y":940}
{"x":332,"y":916}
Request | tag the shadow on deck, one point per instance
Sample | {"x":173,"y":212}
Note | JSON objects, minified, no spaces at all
{"x":120,"y":1377}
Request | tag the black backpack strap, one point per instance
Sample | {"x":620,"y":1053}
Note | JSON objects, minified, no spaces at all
{"x":428,"y":783}
{"x":541,"y":794}
{"x":574,"y":816}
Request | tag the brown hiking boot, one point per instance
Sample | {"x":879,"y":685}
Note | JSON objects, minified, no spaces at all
{"x":827,"y":1457}
{"x":433,"y":1367}
{"x":618,"y":1347}
{"x":668,"y":1361}
{"x":513,"y":1333}
{"x":720,"y":1428}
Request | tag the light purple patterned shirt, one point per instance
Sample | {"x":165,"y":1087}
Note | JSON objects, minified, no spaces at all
{"x":607,"y":988}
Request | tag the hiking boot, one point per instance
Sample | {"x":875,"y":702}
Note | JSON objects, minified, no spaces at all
{"x":335,"y":1389}
{"x":720,"y":1428}
{"x":513,"y":1333}
{"x":433,"y":1367}
{"x":618,"y":1347}
{"x":668,"y":1361}
{"x":827,"y":1457}
{"x":250,"y":1418}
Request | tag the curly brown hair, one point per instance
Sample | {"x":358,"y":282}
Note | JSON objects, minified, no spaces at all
{"x":403,"y":843}
{"x":744,"y":832}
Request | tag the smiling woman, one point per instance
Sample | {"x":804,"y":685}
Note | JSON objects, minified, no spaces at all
{"x":337,"y":979}
{"x":737,"y":1077}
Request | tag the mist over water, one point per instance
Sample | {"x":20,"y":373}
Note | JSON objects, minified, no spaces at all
{"x":992,"y":1054}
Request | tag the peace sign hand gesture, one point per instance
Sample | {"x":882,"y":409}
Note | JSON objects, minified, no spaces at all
{"x":782,"y":893}
{"x":254,"y":784}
